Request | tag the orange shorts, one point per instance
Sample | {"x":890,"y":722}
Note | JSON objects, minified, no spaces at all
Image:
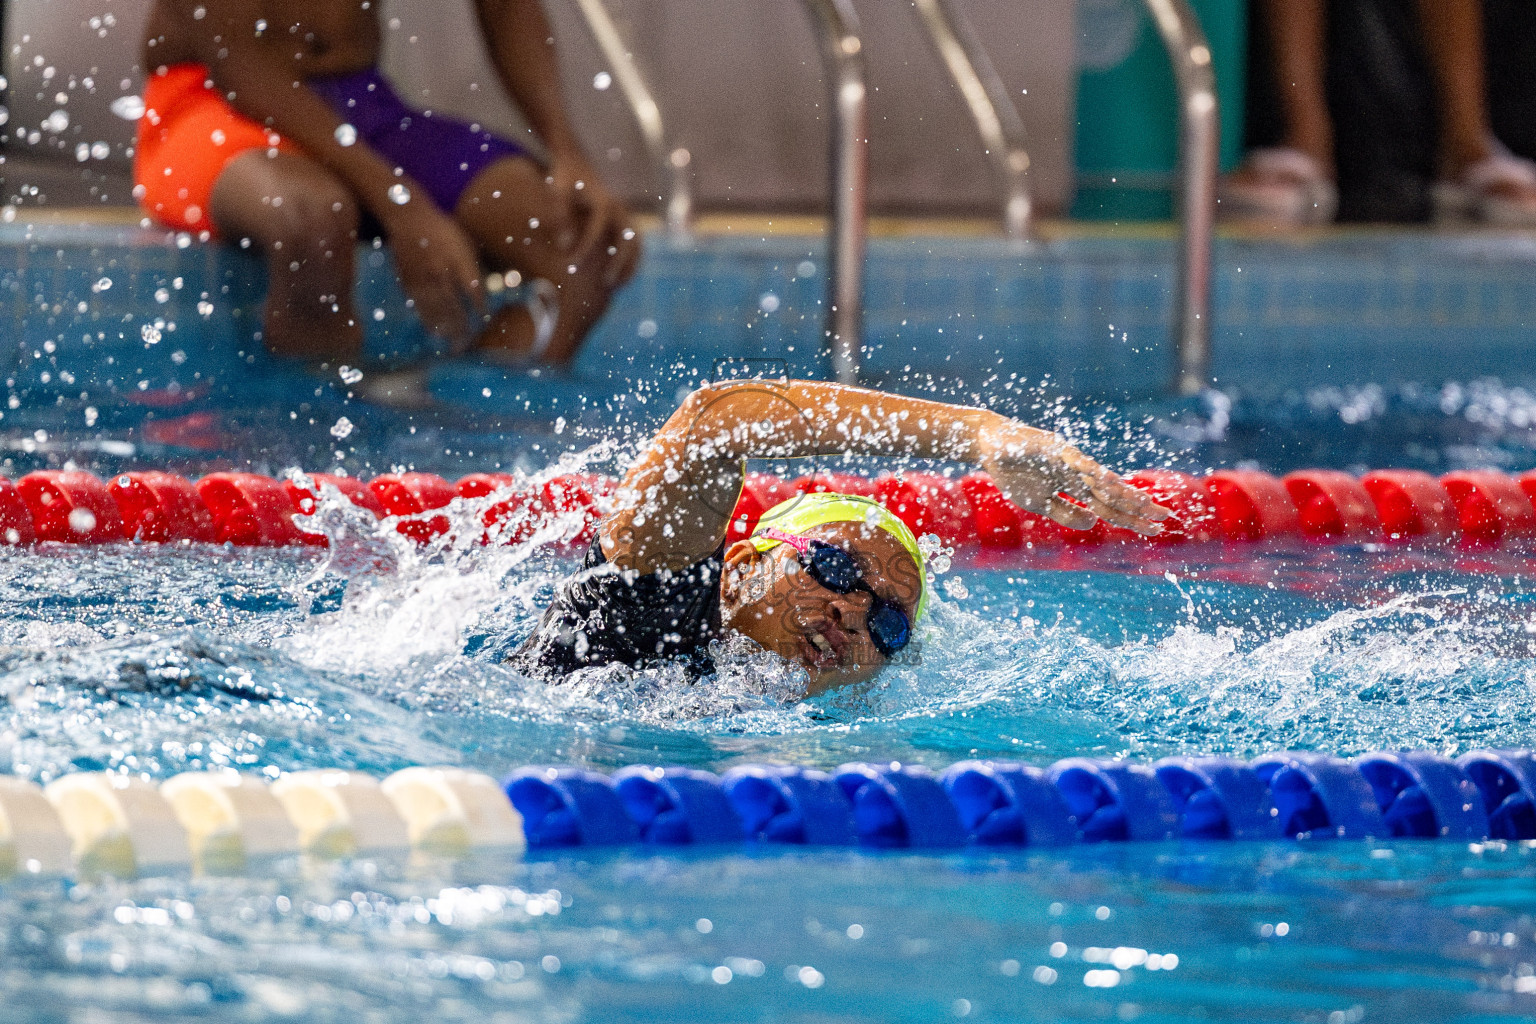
{"x":186,"y":136}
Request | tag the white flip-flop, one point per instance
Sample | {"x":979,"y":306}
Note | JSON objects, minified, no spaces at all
{"x":543,"y":302}
{"x":1288,"y":187}
{"x":1472,"y":196}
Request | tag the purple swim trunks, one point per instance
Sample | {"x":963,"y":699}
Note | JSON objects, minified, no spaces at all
{"x":441,"y":153}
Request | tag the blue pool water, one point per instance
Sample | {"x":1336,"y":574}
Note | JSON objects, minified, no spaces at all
{"x":158,"y":660}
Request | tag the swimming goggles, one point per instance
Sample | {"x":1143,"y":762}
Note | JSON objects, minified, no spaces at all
{"x":833,"y":568}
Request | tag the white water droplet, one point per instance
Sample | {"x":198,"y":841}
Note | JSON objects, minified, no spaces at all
{"x":341,"y":428}
{"x":82,"y":520}
{"x":102,"y":285}
{"x":100,"y":151}
{"x":346,"y":135}
{"x":56,"y":121}
{"x":129,"y":108}
{"x":350,"y":375}
{"x":399,"y":194}
{"x":602,"y":80}
{"x":150,"y":333}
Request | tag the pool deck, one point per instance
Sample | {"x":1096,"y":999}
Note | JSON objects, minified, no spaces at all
{"x":99,"y":303}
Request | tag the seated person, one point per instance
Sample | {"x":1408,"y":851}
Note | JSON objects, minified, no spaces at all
{"x":1294,"y":183}
{"x":831,"y":582}
{"x":268,"y":121}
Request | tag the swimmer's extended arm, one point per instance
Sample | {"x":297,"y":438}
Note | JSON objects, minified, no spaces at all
{"x":675,"y":502}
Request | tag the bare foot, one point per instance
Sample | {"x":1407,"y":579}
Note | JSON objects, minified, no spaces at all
{"x":548,"y":328}
{"x":324,"y":336}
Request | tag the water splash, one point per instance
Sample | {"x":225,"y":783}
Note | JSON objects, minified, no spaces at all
{"x":376,"y":652}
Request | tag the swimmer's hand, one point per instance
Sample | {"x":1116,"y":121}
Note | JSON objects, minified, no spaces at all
{"x":1039,"y":471}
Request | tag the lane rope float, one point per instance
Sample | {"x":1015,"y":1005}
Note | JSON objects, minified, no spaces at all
{"x":225,"y":822}
{"x":1477,"y":508}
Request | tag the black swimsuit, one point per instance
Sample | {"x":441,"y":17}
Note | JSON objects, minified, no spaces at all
{"x":604,"y":614}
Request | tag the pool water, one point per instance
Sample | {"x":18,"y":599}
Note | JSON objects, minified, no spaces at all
{"x":1237,"y":932}
{"x":374,"y":655}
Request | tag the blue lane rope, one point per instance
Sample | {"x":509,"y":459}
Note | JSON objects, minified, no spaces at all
{"x":1482,"y":795}
{"x":108,"y":823}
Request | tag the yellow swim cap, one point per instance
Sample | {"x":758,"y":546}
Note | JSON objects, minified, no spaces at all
{"x":804,"y":511}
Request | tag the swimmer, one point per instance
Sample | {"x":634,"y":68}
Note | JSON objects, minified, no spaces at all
{"x":831,"y":582}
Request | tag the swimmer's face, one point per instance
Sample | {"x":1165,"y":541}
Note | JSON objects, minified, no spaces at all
{"x":770,"y":598}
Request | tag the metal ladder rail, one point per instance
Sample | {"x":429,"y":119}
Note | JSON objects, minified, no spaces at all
{"x":673,"y":163}
{"x":992,"y":109}
{"x":1199,"y":146}
{"x":837,"y":29}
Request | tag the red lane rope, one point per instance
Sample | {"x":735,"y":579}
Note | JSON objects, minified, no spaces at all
{"x":1476,"y":507}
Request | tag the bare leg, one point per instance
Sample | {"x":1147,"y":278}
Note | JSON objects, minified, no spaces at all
{"x":1290,"y":184}
{"x":1453,"y":30}
{"x":305,"y":221}
{"x":508,"y":211}
{"x":1299,"y":32}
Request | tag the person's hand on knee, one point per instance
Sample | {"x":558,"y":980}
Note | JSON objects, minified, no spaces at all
{"x":595,"y":219}
{"x":439,"y":270}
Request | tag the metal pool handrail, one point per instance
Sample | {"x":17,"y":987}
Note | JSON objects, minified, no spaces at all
{"x":837,"y":30}
{"x":1199,"y":142}
{"x":997,"y":119}
{"x":672,"y":162}
{"x":837,"y":27}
